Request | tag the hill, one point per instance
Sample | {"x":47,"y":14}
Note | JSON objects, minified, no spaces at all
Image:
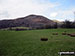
{"x":31,"y":21}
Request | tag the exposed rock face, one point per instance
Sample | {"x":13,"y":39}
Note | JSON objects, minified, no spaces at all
{"x":33,"y":21}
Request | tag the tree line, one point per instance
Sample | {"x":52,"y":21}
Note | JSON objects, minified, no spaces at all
{"x":68,"y":24}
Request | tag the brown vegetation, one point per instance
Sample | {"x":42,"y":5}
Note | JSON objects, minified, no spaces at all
{"x":44,"y":39}
{"x":68,"y":34}
{"x":64,"y":33}
{"x":55,"y":33}
{"x":72,"y":35}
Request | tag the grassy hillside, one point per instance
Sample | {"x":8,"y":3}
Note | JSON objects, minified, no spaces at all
{"x":27,"y":43}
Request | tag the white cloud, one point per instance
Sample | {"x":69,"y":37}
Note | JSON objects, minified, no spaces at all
{"x":54,"y":14}
{"x":19,"y":8}
{"x":62,"y":15}
{"x":67,"y":14}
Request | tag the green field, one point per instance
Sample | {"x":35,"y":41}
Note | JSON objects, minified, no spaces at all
{"x":27,"y":43}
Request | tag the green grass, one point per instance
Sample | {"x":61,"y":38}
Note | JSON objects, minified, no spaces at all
{"x":16,"y":28}
{"x":27,"y":43}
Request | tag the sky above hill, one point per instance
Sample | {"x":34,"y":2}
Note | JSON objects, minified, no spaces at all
{"x":52,"y":9}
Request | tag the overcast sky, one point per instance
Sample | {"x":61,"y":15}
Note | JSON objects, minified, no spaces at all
{"x":52,"y":9}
